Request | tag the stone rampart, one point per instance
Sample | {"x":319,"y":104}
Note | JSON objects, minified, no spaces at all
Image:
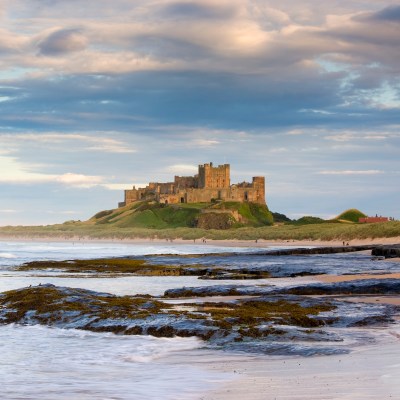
{"x":211,"y":184}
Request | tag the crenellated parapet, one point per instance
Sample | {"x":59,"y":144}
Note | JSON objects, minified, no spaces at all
{"x":210,"y":184}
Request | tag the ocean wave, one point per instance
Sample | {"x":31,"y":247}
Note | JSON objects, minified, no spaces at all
{"x":58,"y":364}
{"x":7,"y":255}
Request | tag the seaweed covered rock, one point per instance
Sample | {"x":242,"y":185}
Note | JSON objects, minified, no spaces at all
{"x":254,"y":323}
{"x":388,"y":286}
{"x":85,"y":309}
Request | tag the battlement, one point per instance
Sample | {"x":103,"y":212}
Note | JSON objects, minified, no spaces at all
{"x":210,"y":184}
{"x":211,"y":177}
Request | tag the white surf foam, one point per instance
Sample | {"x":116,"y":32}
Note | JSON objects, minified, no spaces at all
{"x":48,"y":363}
{"x":7,"y":255}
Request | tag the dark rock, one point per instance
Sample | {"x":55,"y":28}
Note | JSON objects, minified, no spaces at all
{"x":390,"y":251}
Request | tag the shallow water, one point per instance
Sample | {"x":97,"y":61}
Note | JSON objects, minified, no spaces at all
{"x":17,"y":253}
{"x":39,"y":362}
{"x":53,"y":364}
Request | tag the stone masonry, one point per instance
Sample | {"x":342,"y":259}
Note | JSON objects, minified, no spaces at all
{"x":210,"y":184}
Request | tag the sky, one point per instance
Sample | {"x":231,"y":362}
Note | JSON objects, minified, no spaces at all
{"x":97,"y":96}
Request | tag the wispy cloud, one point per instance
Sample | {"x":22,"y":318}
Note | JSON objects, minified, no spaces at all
{"x":16,"y":172}
{"x":205,"y":142}
{"x":66,"y":212}
{"x":350,"y":172}
{"x":367,"y":136}
{"x":93,"y":142}
{"x":182,"y":169}
{"x":90,"y":99}
{"x":122,"y":186}
{"x":67,"y":179}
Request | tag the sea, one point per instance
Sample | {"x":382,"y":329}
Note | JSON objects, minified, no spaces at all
{"x":38,"y":362}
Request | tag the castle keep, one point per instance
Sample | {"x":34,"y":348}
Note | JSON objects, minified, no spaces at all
{"x":211,"y":183}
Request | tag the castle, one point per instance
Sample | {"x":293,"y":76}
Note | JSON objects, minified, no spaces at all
{"x":210,"y":184}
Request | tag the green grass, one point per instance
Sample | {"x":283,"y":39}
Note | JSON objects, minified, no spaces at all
{"x":149,"y":215}
{"x":307,"y":220}
{"x":153,"y":215}
{"x":323,"y":231}
{"x":153,"y":220}
{"x":351,"y":215}
{"x":254,"y":214}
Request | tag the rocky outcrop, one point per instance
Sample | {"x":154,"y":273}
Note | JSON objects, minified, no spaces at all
{"x":314,"y":250}
{"x":391,"y":251}
{"x":272,"y":323}
{"x":356,"y":287}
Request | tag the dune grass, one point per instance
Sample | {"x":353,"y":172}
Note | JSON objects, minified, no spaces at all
{"x":351,"y":215}
{"x":282,"y":232}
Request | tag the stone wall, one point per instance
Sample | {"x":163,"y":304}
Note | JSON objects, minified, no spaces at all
{"x":212,"y":183}
{"x":211,"y":177}
{"x":185,"y":182}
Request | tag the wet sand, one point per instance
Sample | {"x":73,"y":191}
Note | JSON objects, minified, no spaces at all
{"x":209,"y":242}
{"x":369,"y":372}
{"x":347,"y":278}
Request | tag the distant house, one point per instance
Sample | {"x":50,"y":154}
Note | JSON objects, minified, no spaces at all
{"x":372,"y":220}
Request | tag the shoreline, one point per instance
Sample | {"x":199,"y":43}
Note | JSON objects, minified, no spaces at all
{"x":261,"y":243}
{"x":369,"y":370}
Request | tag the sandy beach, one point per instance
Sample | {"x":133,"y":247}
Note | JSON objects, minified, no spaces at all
{"x":209,"y":242}
{"x":347,"y":278}
{"x":369,"y":372}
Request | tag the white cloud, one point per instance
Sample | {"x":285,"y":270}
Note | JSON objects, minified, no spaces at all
{"x":205,"y":142}
{"x":359,"y":136}
{"x":15,"y":172}
{"x":122,"y":186}
{"x":66,"y":212}
{"x":92,"y":142}
{"x":76,"y":180}
{"x":242,"y":30}
{"x":278,"y":150}
{"x":182,"y":169}
{"x":351,"y":172}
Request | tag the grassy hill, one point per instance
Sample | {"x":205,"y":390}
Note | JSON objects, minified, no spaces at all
{"x":205,"y":215}
{"x":248,"y":222}
{"x":308,"y":220}
{"x":351,"y":215}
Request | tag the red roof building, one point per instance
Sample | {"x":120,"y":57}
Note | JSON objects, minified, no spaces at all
{"x":372,"y":220}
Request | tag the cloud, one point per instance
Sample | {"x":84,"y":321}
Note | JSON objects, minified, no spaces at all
{"x":199,"y":10}
{"x":92,"y":95}
{"x":204,"y":142}
{"x":350,"y":172}
{"x":67,"y":179}
{"x":93,"y":142}
{"x":63,"y":41}
{"x":15,"y":172}
{"x":388,"y":14}
{"x":77,"y":180}
{"x":122,"y":186}
{"x":366,"y":136}
{"x":66,"y":212}
{"x":182,"y":169}
{"x":235,"y":62}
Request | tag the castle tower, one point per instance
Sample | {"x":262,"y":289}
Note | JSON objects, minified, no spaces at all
{"x":259,"y":186}
{"x":211,"y":177}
